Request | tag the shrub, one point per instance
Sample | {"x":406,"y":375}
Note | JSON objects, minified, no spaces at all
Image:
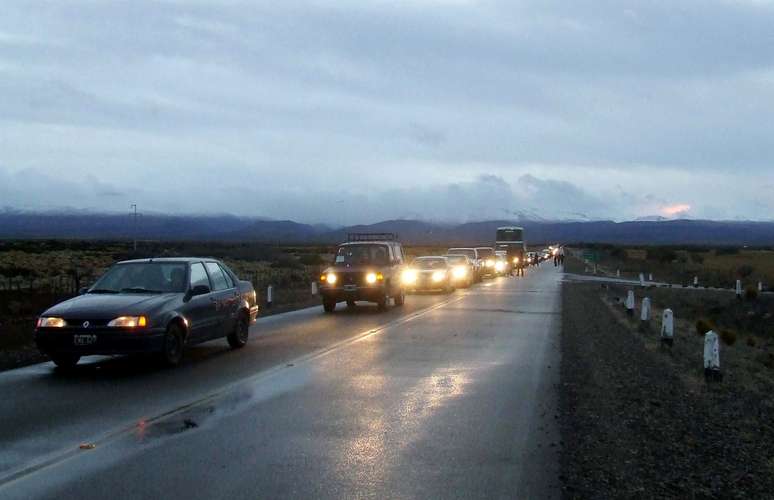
{"x":727,"y":251}
{"x":745,"y":270}
{"x":728,"y":337}
{"x":697,"y":257}
{"x":703,"y":326}
{"x":311,"y":259}
{"x":751,"y":293}
{"x":663,"y":255}
{"x":751,"y":341}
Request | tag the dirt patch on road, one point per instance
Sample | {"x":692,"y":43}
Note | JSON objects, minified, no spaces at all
{"x":639,"y":422}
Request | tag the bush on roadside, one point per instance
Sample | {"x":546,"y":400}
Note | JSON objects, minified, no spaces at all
{"x":728,"y":337}
{"x":751,"y":341}
{"x":745,"y":270}
{"x":697,"y":257}
{"x":703,"y":326}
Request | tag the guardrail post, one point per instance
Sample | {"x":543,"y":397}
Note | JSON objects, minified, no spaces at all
{"x":269,"y":295}
{"x":630,"y":303}
{"x":667,"y":328}
{"x":712,"y":371}
{"x":645,"y":314}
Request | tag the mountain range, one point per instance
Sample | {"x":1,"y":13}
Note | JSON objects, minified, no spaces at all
{"x":82,"y":225}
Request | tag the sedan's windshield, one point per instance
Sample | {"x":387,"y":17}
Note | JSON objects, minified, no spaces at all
{"x":367,"y":254}
{"x":430,"y":263}
{"x":463,"y":251}
{"x":143,"y":277}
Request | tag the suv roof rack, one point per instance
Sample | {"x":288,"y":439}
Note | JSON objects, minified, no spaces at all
{"x":372,"y":237}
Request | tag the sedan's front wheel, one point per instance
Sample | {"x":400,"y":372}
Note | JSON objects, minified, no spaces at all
{"x":238,"y":338}
{"x":173,"y":346}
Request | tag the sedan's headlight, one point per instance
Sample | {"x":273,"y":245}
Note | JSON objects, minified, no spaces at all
{"x":439,"y":275}
{"x":129,"y":322}
{"x":500,"y":266}
{"x":371,"y":278}
{"x":460,"y":272}
{"x":515,"y":260}
{"x":51,"y":323}
{"x":409,"y":276}
{"x":489,"y":263}
{"x":330,"y":278}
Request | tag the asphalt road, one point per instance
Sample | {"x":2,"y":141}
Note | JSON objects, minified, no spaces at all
{"x":447,"y":397}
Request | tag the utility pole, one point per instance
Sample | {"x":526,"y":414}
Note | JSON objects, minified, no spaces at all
{"x":134,"y":207}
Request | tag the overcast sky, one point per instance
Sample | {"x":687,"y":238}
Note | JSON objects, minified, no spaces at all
{"x":355,"y":111}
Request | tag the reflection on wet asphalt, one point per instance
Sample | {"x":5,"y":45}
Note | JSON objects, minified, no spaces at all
{"x":450,"y":396}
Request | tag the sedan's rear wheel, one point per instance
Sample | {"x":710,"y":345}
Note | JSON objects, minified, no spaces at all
{"x":65,"y":361}
{"x":238,"y":338}
{"x":173,"y":346}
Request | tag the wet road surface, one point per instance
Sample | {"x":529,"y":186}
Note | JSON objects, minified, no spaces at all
{"x":447,"y":397}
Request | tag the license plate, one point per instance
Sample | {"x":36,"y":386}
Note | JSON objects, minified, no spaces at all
{"x":84,"y":339}
{"x":350,"y":288}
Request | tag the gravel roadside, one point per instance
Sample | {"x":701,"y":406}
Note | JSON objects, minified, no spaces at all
{"x":635,"y":424}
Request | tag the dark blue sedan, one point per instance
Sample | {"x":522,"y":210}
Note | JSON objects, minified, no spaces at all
{"x":150,"y":306}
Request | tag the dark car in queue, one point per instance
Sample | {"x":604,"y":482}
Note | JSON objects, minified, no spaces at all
{"x":472,"y":255}
{"x":431,"y":273}
{"x":462,"y":269}
{"x":368,"y":267}
{"x":150,"y":306}
{"x":488,"y":261}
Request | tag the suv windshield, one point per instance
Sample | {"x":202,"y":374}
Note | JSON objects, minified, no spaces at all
{"x":430,"y":263}
{"x":143,"y":277}
{"x":484,"y":253}
{"x":456,"y":259}
{"x":362,"y":254}
{"x":463,"y":251}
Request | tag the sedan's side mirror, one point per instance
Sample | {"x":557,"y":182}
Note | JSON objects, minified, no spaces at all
{"x":199,"y":290}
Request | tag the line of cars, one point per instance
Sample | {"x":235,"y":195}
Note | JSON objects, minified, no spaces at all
{"x":372,"y":267}
{"x":161,"y":306}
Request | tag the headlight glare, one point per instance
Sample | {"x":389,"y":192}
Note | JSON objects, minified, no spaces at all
{"x":128,"y":322}
{"x":500,"y":266}
{"x":439,"y":275}
{"x":371,"y":278}
{"x":331,"y":278}
{"x":460,"y":272}
{"x":409,"y":276}
{"x":51,"y":323}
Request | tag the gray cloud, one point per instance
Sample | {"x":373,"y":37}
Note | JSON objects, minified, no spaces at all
{"x":429,"y":108}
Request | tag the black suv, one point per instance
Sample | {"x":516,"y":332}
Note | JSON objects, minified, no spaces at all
{"x":369,"y":267}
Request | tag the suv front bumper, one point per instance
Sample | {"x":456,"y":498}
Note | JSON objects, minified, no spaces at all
{"x":368,"y":293}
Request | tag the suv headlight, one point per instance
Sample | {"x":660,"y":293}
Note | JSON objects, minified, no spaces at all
{"x":371,"y":278}
{"x":51,"y":323}
{"x":409,"y":276}
{"x":439,"y":275}
{"x":460,"y":272}
{"x":329,"y":278}
{"x":129,"y":322}
{"x":499,"y":266}
{"x":489,"y":263}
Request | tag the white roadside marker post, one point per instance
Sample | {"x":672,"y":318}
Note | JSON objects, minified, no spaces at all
{"x":269,"y":295}
{"x":618,"y":273}
{"x":696,"y":282}
{"x":650,"y":276}
{"x":642,"y":279}
{"x":712,"y":371}
{"x":667,"y":328}
{"x":314,"y":288}
{"x":645,"y":315}
{"x":739,"y":289}
{"x":760,"y":286}
{"x":630,"y":303}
